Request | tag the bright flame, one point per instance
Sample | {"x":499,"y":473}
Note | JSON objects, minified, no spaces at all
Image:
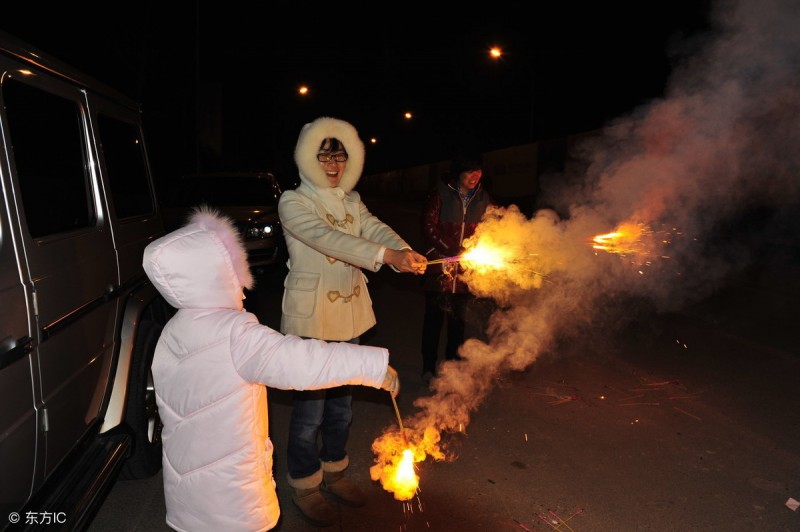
{"x":626,"y":240}
{"x":395,"y":468}
{"x":637,"y":242}
{"x":498,"y":254}
{"x":405,"y":476}
{"x":486,"y":256}
{"x":395,"y":456}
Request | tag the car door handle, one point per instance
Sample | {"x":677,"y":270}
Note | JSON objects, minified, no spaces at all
{"x":12,"y":350}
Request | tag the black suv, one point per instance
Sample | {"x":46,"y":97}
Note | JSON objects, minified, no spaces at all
{"x":250,"y":199}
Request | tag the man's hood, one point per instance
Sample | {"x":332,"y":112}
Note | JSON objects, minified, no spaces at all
{"x":201,"y":265}
{"x":311,"y":137}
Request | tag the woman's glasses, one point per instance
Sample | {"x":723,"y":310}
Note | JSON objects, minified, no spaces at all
{"x":326,"y":157}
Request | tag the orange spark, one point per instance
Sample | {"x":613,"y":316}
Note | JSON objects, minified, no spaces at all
{"x":395,"y":456}
{"x":406,"y":476}
{"x":485,"y":256}
{"x":395,"y":468}
{"x":637,"y":242}
{"x":625,"y":240}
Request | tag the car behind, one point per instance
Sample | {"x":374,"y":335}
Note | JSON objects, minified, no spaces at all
{"x":250,"y":199}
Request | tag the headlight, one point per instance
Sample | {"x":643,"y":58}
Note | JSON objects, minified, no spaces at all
{"x":260,"y":231}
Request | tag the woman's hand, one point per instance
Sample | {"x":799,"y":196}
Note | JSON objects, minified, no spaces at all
{"x":405,"y":260}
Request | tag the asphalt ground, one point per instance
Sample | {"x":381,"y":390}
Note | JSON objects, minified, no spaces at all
{"x":680,"y":421}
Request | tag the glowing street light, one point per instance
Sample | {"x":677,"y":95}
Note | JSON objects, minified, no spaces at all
{"x":302,"y":90}
{"x":408,"y":115}
{"x":496,"y":53}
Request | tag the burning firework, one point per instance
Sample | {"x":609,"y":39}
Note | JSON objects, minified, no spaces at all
{"x":395,"y":456}
{"x":636,"y":241}
{"x":397,"y":473}
{"x":627,"y":239}
{"x":485,"y":256}
{"x":394,"y":466}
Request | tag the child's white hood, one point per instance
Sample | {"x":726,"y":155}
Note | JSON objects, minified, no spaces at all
{"x":201,"y":265}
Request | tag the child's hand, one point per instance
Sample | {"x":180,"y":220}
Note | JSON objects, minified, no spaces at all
{"x":391,"y":381}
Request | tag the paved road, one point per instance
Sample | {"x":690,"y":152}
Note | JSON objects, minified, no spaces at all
{"x":681,"y":421}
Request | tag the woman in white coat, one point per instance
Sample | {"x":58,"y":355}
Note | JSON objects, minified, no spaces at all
{"x":330,"y":236}
{"x":211,"y":365}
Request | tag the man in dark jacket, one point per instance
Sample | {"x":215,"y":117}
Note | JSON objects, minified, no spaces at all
{"x":453,"y":209}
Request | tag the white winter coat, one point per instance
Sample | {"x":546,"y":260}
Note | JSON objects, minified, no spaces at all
{"x":211,"y":365}
{"x":330,"y":236}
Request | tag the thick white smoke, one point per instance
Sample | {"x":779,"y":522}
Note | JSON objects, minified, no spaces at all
{"x":692,"y":168}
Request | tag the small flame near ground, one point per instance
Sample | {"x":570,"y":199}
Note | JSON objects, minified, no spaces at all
{"x":395,"y":456}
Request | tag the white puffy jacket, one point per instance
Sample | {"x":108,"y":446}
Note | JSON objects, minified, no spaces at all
{"x":211,"y":365}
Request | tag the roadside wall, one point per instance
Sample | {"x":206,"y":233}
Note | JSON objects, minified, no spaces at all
{"x":511,"y":174}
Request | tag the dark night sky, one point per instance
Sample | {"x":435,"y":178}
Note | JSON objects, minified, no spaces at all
{"x":576,"y":65}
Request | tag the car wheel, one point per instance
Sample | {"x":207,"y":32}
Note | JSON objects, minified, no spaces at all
{"x":141,"y":409}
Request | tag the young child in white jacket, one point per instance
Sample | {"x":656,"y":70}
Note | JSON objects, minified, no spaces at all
{"x":211,"y":368}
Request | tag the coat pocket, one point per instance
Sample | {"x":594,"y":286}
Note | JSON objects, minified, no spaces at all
{"x":300,"y":294}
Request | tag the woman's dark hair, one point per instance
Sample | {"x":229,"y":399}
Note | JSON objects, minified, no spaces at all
{"x":465,"y":162}
{"x":333,"y":143}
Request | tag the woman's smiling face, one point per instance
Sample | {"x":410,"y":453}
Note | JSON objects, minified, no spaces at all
{"x":332,"y":158}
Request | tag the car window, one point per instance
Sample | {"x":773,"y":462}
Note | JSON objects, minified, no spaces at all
{"x":127,"y":173}
{"x":56,"y":189}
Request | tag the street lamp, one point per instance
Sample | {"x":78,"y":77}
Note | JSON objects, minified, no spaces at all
{"x":496,"y":53}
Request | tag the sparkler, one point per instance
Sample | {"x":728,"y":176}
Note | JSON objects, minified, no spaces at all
{"x":490,"y":260}
{"x":636,"y":242}
{"x":625,"y":240}
{"x":482,"y":254}
{"x":399,"y":420}
{"x":493,"y":257}
{"x":396,"y":468}
{"x":445,"y":260}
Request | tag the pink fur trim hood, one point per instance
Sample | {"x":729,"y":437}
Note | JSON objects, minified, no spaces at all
{"x":201,"y":265}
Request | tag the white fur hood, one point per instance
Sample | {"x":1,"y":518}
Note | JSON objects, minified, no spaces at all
{"x":201,"y":265}
{"x":305,"y":153}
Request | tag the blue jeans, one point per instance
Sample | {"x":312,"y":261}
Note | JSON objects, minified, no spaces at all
{"x":327,"y":412}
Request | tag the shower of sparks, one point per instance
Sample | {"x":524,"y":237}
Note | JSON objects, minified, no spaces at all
{"x":396,"y":455}
{"x":627,"y":239}
{"x":396,"y":469}
{"x":637,"y":242}
{"x":556,"y":522}
{"x":485,"y":256}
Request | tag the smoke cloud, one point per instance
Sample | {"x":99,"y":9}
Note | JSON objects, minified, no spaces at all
{"x":694,"y":171}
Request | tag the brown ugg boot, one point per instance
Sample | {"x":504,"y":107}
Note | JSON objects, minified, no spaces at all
{"x":342,"y":489}
{"x":307,"y":497}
